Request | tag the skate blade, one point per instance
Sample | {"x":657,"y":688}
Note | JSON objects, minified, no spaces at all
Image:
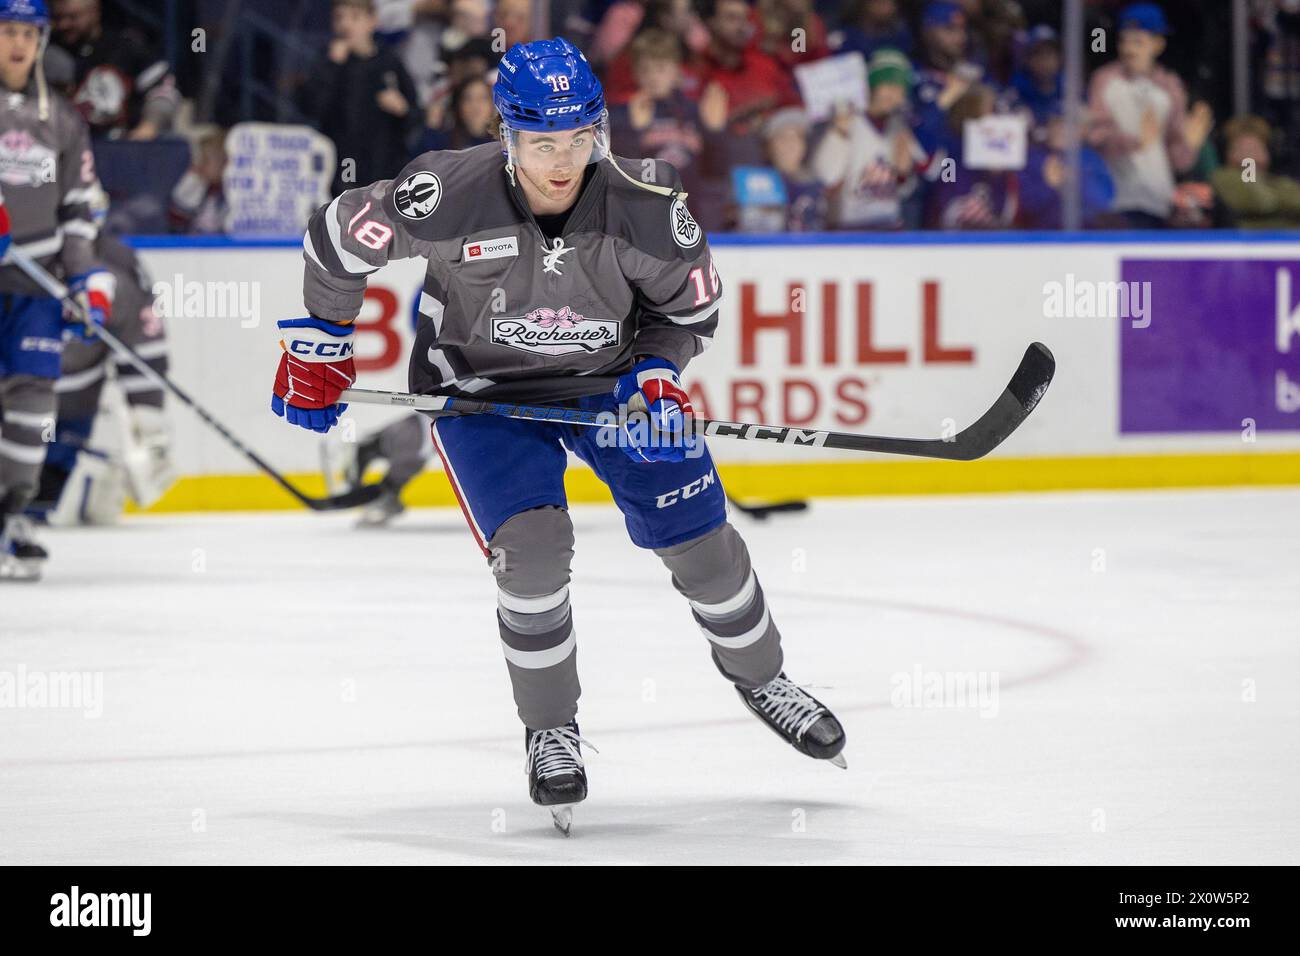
{"x":562,"y":817}
{"x":19,"y":571}
{"x":839,"y":761}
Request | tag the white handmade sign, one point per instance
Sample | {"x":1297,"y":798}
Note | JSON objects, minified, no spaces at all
{"x":834,"y":82}
{"x":995,"y":142}
{"x":275,"y":177}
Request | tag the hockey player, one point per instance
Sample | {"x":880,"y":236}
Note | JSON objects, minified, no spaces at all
{"x":562,"y":274}
{"x":48,"y":173}
{"x":404,"y":446}
{"x":139,"y":463}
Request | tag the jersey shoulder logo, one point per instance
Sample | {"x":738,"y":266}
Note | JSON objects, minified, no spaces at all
{"x":418,"y":195}
{"x":686,"y":231}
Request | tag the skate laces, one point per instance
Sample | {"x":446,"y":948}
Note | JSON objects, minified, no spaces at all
{"x":791,"y":707}
{"x":551,"y":259}
{"x":555,"y":751}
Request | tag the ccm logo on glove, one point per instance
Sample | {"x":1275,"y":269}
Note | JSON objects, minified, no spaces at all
{"x":315,"y":367}
{"x":310,"y":349}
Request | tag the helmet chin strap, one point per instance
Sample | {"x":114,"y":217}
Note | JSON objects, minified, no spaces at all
{"x":42,"y":88}
{"x":652,"y":187}
{"x":504,"y":133}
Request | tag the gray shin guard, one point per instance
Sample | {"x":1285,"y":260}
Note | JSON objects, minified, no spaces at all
{"x":713,"y":572}
{"x":531,"y":556}
{"x":27,"y":419}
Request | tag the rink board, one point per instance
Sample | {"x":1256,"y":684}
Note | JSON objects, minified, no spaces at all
{"x":1187,"y":374}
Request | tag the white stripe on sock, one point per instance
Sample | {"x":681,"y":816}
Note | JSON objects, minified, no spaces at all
{"x":732,"y":604}
{"x":741,"y":640}
{"x":536,"y":660}
{"x":532,"y":605}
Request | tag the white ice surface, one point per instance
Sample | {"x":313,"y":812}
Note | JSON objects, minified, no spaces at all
{"x":285,"y":689}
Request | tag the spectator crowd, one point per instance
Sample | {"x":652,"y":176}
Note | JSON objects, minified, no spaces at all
{"x":957,"y":120}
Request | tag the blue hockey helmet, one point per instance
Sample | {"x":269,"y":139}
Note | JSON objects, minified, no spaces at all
{"x":547,"y":85}
{"x":25,"y":11}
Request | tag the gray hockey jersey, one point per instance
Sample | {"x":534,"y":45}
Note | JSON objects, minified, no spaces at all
{"x":47,"y":174}
{"x":506,"y":313}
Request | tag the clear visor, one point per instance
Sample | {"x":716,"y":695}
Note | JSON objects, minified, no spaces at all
{"x":559,"y":154}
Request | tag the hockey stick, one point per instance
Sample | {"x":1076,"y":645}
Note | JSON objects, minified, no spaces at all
{"x":34,"y":271}
{"x":1012,"y":407}
{"x":761,"y":512}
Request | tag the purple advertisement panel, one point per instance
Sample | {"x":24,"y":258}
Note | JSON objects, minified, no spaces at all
{"x":1219,"y":343}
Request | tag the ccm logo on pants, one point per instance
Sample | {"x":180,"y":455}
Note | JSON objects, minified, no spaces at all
{"x":686,"y":491}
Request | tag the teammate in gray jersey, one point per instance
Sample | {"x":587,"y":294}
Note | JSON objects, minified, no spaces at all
{"x":81,"y":484}
{"x":567,"y":275}
{"x":48,"y":175}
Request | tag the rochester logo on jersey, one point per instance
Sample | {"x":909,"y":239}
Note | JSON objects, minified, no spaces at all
{"x":24,"y":161}
{"x":418,"y":195}
{"x":686,"y":231}
{"x":548,"y":332}
{"x":490,"y":249}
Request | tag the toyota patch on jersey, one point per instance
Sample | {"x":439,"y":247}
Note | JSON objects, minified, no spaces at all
{"x":490,"y":249}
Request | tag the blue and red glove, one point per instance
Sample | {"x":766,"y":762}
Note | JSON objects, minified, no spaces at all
{"x":653,"y":387}
{"x":93,"y":291}
{"x":314,"y":370}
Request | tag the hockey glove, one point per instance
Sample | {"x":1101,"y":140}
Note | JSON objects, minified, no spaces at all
{"x":653,"y":389}
{"x":93,"y":291}
{"x":315,"y":368}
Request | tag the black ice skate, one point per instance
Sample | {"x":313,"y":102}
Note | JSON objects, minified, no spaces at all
{"x":800,"y":719}
{"x":556,"y":776}
{"x":382,"y":510}
{"x":21,"y":557}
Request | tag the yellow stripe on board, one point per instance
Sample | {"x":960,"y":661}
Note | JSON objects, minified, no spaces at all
{"x":760,"y":481}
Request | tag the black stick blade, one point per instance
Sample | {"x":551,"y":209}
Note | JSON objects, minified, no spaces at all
{"x":760,"y":511}
{"x":1033,"y":376}
{"x":355,"y":498}
{"x":1018,"y":399}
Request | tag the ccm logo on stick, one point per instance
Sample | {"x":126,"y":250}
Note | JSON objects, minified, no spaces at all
{"x":686,"y":491}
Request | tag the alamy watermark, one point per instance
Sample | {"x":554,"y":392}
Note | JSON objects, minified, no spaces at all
{"x":634,"y":429}
{"x":125,"y":910}
{"x":1085,"y":299}
{"x":181,"y":299}
{"x":977,"y":690}
{"x":52,"y":690}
